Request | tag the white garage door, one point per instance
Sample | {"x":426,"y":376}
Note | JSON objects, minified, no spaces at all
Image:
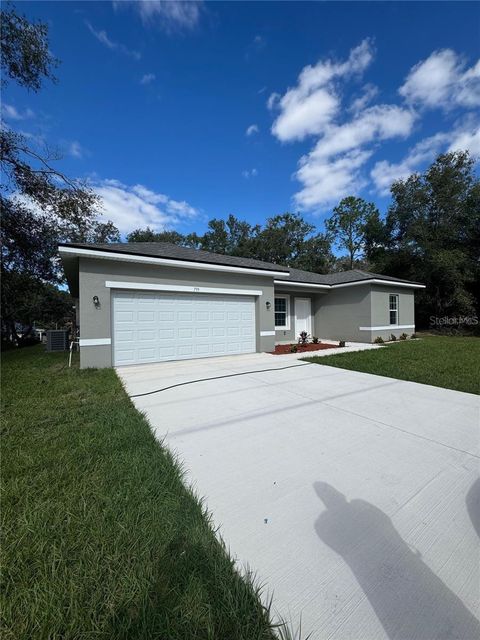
{"x":151,"y":327}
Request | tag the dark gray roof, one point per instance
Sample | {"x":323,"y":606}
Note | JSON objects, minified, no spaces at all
{"x":174,"y":252}
{"x":341,"y":277}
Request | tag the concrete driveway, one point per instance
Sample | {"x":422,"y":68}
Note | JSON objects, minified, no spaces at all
{"x":355,"y":498}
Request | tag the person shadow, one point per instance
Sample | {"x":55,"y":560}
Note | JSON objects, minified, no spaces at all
{"x":410,"y":601}
{"x":473,"y":505}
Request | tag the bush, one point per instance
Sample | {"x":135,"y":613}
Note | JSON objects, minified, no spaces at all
{"x":341,"y":343}
{"x":315,"y":340}
{"x":303,"y":337}
{"x":393,"y":337}
{"x":378,"y":340}
{"x":404,"y":336}
{"x":293,"y":348}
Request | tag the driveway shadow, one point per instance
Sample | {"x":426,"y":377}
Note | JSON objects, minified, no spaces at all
{"x":473,"y":505}
{"x":410,"y":601}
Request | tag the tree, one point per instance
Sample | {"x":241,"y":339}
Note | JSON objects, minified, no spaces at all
{"x":432,"y":234}
{"x":40,"y":205}
{"x":285,"y":239}
{"x":347,"y":225}
{"x":26,"y":57}
{"x":231,"y":236}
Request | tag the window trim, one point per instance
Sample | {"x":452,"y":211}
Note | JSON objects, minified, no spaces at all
{"x":397,"y":309}
{"x":287,"y":312}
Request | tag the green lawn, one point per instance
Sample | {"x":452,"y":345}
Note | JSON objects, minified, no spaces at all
{"x":101,"y":538}
{"x":449,"y":362}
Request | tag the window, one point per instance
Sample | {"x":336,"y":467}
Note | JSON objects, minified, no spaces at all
{"x":393,"y":308}
{"x":282,"y":318}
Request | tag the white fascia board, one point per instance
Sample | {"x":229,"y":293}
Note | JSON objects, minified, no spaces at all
{"x":94,"y":342}
{"x":390,"y":283}
{"x":181,"y":264}
{"x":388,"y":326}
{"x":148,"y":286}
{"x":302,"y":284}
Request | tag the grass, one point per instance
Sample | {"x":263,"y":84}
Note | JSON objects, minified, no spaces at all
{"x":449,"y":362}
{"x":101,"y":537}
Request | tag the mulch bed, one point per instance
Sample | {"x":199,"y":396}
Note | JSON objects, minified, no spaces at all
{"x":282,"y":349}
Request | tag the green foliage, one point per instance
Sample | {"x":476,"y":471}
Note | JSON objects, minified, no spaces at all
{"x":25,"y":54}
{"x":393,"y":337}
{"x":40,"y":206}
{"x":348,"y":224}
{"x":431,"y":234}
{"x":378,"y":340}
{"x":451,"y":363}
{"x":293,"y":348}
{"x":284,"y":239}
{"x":315,"y":340}
{"x":403,"y":336}
{"x":101,"y":537}
{"x":341,"y":343}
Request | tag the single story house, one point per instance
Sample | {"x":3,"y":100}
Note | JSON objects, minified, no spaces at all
{"x":152,"y":302}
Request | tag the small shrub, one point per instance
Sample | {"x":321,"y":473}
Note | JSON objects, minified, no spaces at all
{"x":303,"y":337}
{"x":315,"y":340}
{"x":293,"y":348}
{"x":378,"y":340}
{"x":393,"y":337}
{"x":404,"y":336}
{"x":341,"y":343}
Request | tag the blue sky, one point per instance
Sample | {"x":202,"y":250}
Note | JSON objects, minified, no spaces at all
{"x":180,"y":112}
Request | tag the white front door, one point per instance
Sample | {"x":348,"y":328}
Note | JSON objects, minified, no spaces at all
{"x":303,"y":316}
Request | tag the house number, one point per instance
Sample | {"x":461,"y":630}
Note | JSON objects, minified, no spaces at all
{"x":196,"y":288}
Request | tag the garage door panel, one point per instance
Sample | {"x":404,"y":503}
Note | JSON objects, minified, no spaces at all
{"x":151,"y":327}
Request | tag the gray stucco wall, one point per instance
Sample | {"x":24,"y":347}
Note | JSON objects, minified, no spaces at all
{"x":342,"y":311}
{"x":95,"y":323}
{"x":380,"y":312}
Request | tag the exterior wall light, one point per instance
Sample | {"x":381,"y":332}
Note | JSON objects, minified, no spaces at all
{"x":268,"y":305}
{"x":96,"y":301}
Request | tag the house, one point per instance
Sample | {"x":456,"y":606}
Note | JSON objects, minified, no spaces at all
{"x":151,"y":302}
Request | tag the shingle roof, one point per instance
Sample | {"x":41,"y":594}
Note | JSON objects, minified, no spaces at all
{"x":341,"y":277}
{"x":174,"y":252}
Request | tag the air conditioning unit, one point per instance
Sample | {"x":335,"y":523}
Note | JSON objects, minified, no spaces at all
{"x":57,"y":340}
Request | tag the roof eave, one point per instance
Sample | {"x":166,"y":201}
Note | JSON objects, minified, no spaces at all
{"x":79,"y":252}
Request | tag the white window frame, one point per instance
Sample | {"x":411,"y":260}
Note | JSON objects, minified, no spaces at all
{"x":397,"y":309}
{"x":287,"y":312}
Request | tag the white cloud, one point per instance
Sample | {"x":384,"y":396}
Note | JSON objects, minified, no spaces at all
{"x":9,"y":112}
{"x":384,"y":173}
{"x":332,"y":169}
{"x":104,"y":39}
{"x":466,"y":140}
{"x":133,"y":207}
{"x":370,"y":91}
{"x":250,"y":173}
{"x":464,"y":137}
{"x":273,"y":99}
{"x":76,"y":150}
{"x":147,"y":78}
{"x":379,"y":122}
{"x":170,"y":15}
{"x":325,"y":181}
{"x":313,"y":103}
{"x":251,"y":130}
{"x":442,"y":80}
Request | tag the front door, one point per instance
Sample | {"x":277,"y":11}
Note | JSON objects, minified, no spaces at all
{"x":303,"y":316}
